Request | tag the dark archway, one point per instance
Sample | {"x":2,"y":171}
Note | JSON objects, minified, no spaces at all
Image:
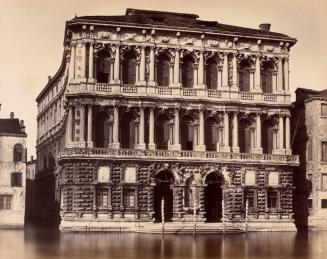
{"x":211,"y":134}
{"x":129,"y":67}
{"x":244,"y":76}
{"x":162,"y":191}
{"x":187,"y":133}
{"x":213,"y":197}
{"x":188,"y":71}
{"x":244,"y":136}
{"x":267,"y":77}
{"x":162,"y":132}
{"x":163,"y":70}
{"x":101,"y":130}
{"x":103,"y":67}
{"x":127,"y":131}
{"x":211,"y":74}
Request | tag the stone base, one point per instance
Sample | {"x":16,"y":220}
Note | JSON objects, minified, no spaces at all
{"x":90,"y":144}
{"x":151,"y":83}
{"x":152,"y":146}
{"x":279,"y":152}
{"x":115,"y":145}
{"x":257,"y":150}
{"x":288,"y":151}
{"x":225,"y":149}
{"x":140,"y":146}
{"x":200,"y":148}
{"x":90,"y":80}
{"x":236,"y":149}
{"x":175,"y":85}
{"x":175,"y":147}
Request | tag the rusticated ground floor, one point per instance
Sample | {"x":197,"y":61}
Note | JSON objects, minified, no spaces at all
{"x":130,"y":195}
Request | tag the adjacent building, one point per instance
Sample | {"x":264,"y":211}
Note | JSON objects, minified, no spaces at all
{"x":310,"y":143}
{"x":12,"y":172}
{"x":30,"y":204}
{"x":159,"y":106}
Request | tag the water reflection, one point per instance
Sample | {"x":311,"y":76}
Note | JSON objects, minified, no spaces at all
{"x":45,"y":243}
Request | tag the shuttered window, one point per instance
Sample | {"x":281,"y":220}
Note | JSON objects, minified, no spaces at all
{"x":16,"y":179}
{"x":324,"y":151}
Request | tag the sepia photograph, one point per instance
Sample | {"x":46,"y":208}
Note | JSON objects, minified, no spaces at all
{"x":157,"y":129}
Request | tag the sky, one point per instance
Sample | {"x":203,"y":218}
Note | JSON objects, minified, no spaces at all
{"x":32,"y":32}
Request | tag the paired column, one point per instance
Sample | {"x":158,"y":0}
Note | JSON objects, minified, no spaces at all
{"x":142,"y":66}
{"x":151,"y":72}
{"x":225,"y":71}
{"x":234,"y":62}
{"x":91,"y":79}
{"x":287,"y":135}
{"x":286,"y":75}
{"x":141,"y":144}
{"x":115,"y":130}
{"x":176,"y":67}
{"x":280,"y":75}
{"x":152,"y":145}
{"x":176,"y":145}
{"x":258,"y":144}
{"x":69,"y":127}
{"x":201,"y":70}
{"x":89,"y":126}
{"x":72,"y":61}
{"x":201,"y":146}
{"x":226,"y":147}
{"x":257,"y":79}
{"x":235,"y":147}
{"x":116,"y":65}
{"x":82,"y":125}
{"x":83,"y":65}
{"x":281,"y":135}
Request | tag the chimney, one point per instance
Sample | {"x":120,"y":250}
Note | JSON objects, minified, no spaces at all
{"x":22,"y":126}
{"x":12,"y":115}
{"x":265,"y":26}
{"x":32,"y":158}
{"x":49,"y":78}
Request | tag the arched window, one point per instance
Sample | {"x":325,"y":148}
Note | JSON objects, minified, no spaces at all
{"x":101,"y":130}
{"x":188,"y":71}
{"x":212,"y":134}
{"x":187,"y":133}
{"x":129,"y":67}
{"x":267,"y":134}
{"x":103,"y":67}
{"x":244,"y":76}
{"x":163,"y":70}
{"x":18,"y":153}
{"x":267,"y":77}
{"x":127,"y":131}
{"x":162,"y":132}
{"x":211,"y":74}
{"x":244,"y":136}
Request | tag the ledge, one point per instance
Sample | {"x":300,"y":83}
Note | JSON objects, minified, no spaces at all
{"x":191,"y":156}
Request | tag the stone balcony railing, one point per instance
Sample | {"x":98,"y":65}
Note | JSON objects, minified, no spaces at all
{"x":204,"y":156}
{"x":168,"y":92}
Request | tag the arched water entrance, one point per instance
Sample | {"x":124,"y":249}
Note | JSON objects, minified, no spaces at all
{"x":162,"y":190}
{"x":213,"y":197}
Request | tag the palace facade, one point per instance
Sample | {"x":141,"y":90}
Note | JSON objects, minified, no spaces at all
{"x":151,"y":106}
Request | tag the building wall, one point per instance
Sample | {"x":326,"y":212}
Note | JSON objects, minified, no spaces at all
{"x":15,"y":216}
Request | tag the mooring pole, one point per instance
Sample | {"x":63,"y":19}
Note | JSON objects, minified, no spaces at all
{"x":163,"y":215}
{"x":194,"y":215}
{"x":246,"y":215}
{"x":223,"y":216}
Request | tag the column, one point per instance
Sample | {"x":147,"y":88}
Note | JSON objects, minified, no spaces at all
{"x":116,"y":65}
{"x":72,"y":61}
{"x":69,"y":127}
{"x":201,"y":146}
{"x":115,"y":143}
{"x":258,"y":144}
{"x":152,"y":145}
{"x":281,"y":135}
{"x":91,"y":79}
{"x":141,"y":144}
{"x":257,"y":79}
{"x":176,"y":68}
{"x":201,"y":70}
{"x":219,"y":78}
{"x":195,"y":75}
{"x":89,"y":126}
{"x":82,"y":126}
{"x":151,"y":72}
{"x":171,"y":75}
{"x":234,"y":62}
{"x":286,"y":75}
{"x":226,"y":147}
{"x":142,"y":66}
{"x":225,"y":71}
{"x":83,"y":65}
{"x":176,"y":145}
{"x":252,"y":87}
{"x":235,"y":147}
{"x":280,"y":75}
{"x":287,"y":135}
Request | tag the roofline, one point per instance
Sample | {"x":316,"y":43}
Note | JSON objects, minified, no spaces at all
{"x":174,"y":28}
{"x":313,"y":98}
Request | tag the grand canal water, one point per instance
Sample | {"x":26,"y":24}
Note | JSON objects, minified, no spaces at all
{"x":45,"y":243}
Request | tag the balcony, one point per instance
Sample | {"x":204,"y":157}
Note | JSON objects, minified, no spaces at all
{"x":194,"y":156}
{"x":130,"y":90}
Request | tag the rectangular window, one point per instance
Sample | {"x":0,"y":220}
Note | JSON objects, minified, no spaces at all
{"x":272,"y":199}
{"x":250,"y":197}
{"x":324,"y":203}
{"x":16,"y":179}
{"x":102,"y":198}
{"x":309,"y":203}
{"x":324,"y":151}
{"x":129,"y":198}
{"x":130,"y":175}
{"x":5,"y":202}
{"x":310,"y":149}
{"x":324,"y":109}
